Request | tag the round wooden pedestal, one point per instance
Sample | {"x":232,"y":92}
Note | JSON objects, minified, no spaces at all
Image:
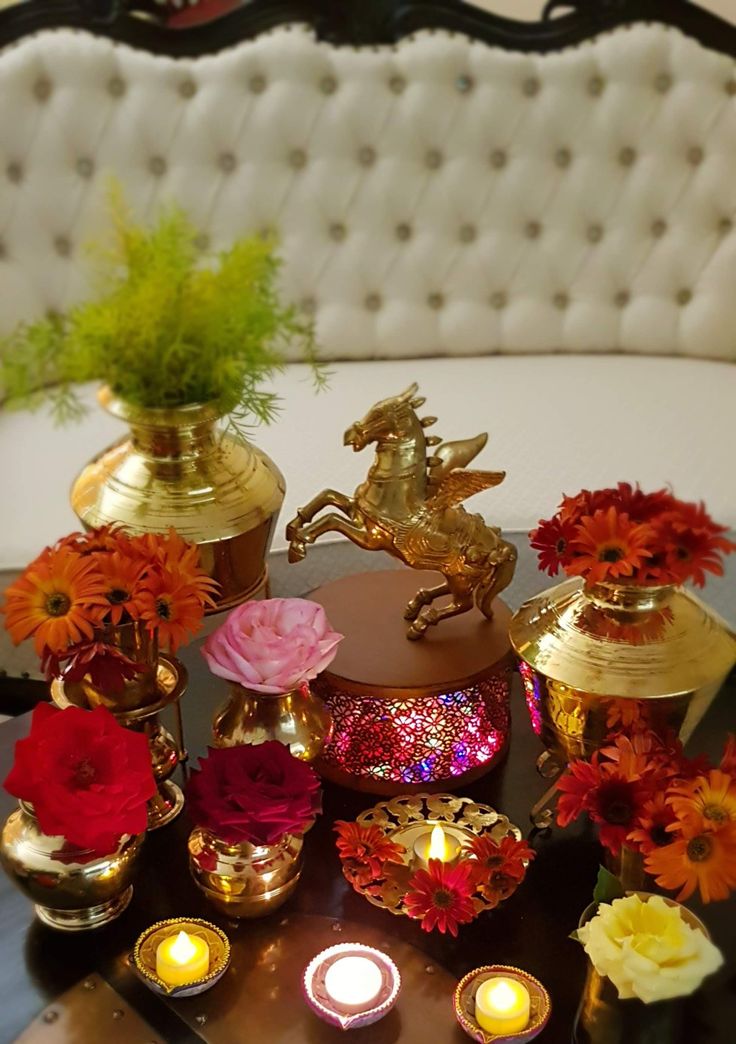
{"x":411,"y":716}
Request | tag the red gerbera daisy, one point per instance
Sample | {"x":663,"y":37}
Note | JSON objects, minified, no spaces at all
{"x":364,"y":851}
{"x":441,"y":896}
{"x":552,"y":540}
{"x":609,"y":546}
{"x":690,"y":553}
{"x":651,"y":830}
{"x":641,"y":506}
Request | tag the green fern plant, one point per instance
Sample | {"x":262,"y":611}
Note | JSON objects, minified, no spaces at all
{"x":171,"y":326}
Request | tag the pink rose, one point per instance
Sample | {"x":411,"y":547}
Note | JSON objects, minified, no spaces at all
{"x":272,"y":646}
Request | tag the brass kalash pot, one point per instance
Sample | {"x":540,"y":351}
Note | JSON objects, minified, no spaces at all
{"x":594,"y":657}
{"x":176,"y":468}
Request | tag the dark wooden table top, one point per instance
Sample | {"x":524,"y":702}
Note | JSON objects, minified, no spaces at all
{"x":530,"y":930}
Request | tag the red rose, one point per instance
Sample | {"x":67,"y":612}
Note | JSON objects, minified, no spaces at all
{"x":87,"y":777}
{"x":253,"y":793}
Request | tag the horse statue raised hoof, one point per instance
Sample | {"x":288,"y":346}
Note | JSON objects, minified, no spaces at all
{"x":410,"y":506}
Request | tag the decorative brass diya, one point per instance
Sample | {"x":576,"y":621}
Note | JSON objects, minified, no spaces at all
{"x":298,"y":719}
{"x":72,"y":889}
{"x":594,"y":656}
{"x":143,"y":958}
{"x":176,"y":468}
{"x":245,"y":880}
{"x":167,"y":751}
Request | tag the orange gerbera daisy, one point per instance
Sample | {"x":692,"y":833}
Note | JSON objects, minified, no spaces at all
{"x":609,"y":546}
{"x":122,"y":576}
{"x":58,"y":601}
{"x":172,"y":606}
{"x":365,"y":850}
{"x":706,"y":861}
{"x":707,"y":802}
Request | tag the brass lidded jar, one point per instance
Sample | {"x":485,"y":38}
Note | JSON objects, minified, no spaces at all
{"x":584,"y":648}
{"x":72,"y":889}
{"x":177,"y":468}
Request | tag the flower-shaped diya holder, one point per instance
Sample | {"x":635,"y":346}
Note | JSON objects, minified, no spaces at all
{"x":329,"y":1009}
{"x":540,"y":1006}
{"x":403,"y":820}
{"x":143,"y":957}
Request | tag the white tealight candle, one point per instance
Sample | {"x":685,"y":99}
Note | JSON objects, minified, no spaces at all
{"x":436,"y":844}
{"x":353,"y":982}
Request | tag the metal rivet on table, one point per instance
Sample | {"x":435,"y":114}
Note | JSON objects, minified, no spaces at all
{"x":436,"y":300}
{"x":187,"y":88}
{"x":403,"y":231}
{"x":42,"y":88}
{"x":14,"y":170}
{"x":336,"y":926}
{"x":397,"y":84}
{"x":464,"y":83}
{"x":85,"y":167}
{"x":533,"y":230}
{"x":298,"y":159}
{"x":118,"y":1014}
{"x":596,"y":85}
{"x":659,"y":227}
{"x":499,"y":159}
{"x":200,"y":1019}
{"x":116,"y":87}
{"x":88,"y":984}
{"x":531,"y":86}
{"x":366,"y":156}
{"x":328,"y":84}
{"x":433,"y":159}
{"x":50,"y":1016}
{"x":157,"y":166}
{"x":468,"y":233}
{"x":257,"y":84}
{"x":429,"y":969}
{"x":684,"y":296}
{"x":627,"y":156}
{"x":25,"y":674}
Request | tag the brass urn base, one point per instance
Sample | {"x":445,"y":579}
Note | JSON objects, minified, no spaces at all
{"x":84,"y":920}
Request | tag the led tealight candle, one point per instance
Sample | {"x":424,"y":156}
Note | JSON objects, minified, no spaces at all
{"x":354,"y":983}
{"x":502,"y":1006}
{"x":436,"y":844}
{"x":182,"y":959}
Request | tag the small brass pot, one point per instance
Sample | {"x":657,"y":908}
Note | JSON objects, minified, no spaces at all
{"x":134,"y":640}
{"x":603,"y":1018}
{"x":298,"y":719}
{"x":72,"y":889}
{"x":245,"y":880}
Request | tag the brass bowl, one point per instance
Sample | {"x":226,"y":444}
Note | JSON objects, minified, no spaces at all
{"x":143,"y":957}
{"x":540,"y":1006}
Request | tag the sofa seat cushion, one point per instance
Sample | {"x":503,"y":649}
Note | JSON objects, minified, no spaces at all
{"x":557,"y":423}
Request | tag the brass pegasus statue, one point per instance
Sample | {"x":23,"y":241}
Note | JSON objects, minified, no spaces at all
{"x":410,"y":506}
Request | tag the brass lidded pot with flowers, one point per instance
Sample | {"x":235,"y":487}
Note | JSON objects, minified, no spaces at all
{"x":622,"y":628}
{"x":251,"y":806}
{"x":73,"y":845}
{"x":270,"y":651}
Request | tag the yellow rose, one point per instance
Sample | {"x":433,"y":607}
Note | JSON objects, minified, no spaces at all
{"x":647,"y":950}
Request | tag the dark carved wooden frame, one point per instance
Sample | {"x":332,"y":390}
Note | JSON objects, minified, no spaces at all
{"x":362,"y":22}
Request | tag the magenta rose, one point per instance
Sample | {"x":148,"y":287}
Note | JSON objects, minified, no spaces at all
{"x":253,"y":793}
{"x":272,"y":646}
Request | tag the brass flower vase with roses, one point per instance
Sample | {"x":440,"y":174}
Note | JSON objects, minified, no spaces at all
{"x":270,"y":651}
{"x":251,"y":805}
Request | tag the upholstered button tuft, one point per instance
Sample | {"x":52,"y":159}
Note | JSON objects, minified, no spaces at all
{"x":464,"y":83}
{"x":373,"y":302}
{"x":157,"y":166}
{"x":499,"y":299}
{"x":725,"y":225}
{"x":596,"y":85}
{"x":397,"y":84}
{"x":187,"y":88}
{"x":433,"y":159}
{"x":662,"y":82}
{"x":532,"y":230}
{"x":62,"y":246}
{"x":684,"y":296}
{"x":202,"y":241}
{"x":338,"y":231}
{"x":298,"y":159}
{"x":85,"y":167}
{"x":563,"y":157}
{"x":227,"y":162}
{"x":42,"y":89}
{"x":328,"y":84}
{"x":659,"y":227}
{"x":561,"y":300}
{"x":257,"y":84}
{"x":403,"y":231}
{"x":622,"y":298}
{"x":695,"y":155}
{"x":468,"y":233}
{"x":116,"y":87}
{"x":595,"y":233}
{"x":436,"y":300}
{"x":14,"y":170}
{"x":366,"y":156}
{"x":627,"y":156}
{"x":309,"y":305}
{"x":530,"y":86}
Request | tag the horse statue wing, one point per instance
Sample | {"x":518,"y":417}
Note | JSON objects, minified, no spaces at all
{"x":459,"y":485}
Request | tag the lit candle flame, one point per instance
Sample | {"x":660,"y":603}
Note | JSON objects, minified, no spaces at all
{"x":438,"y":845}
{"x":183,"y":950}
{"x":502,"y":997}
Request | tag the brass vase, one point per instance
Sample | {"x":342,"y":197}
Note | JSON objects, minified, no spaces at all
{"x":593,"y":657}
{"x":245,"y":880}
{"x":134,"y":640}
{"x":72,"y":890}
{"x":298,"y":719}
{"x":603,"y":1018}
{"x":176,"y":468}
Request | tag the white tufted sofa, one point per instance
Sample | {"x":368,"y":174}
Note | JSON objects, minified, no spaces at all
{"x":545,"y":241}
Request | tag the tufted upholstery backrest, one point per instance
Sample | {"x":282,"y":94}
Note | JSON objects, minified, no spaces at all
{"x":437,"y":197}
